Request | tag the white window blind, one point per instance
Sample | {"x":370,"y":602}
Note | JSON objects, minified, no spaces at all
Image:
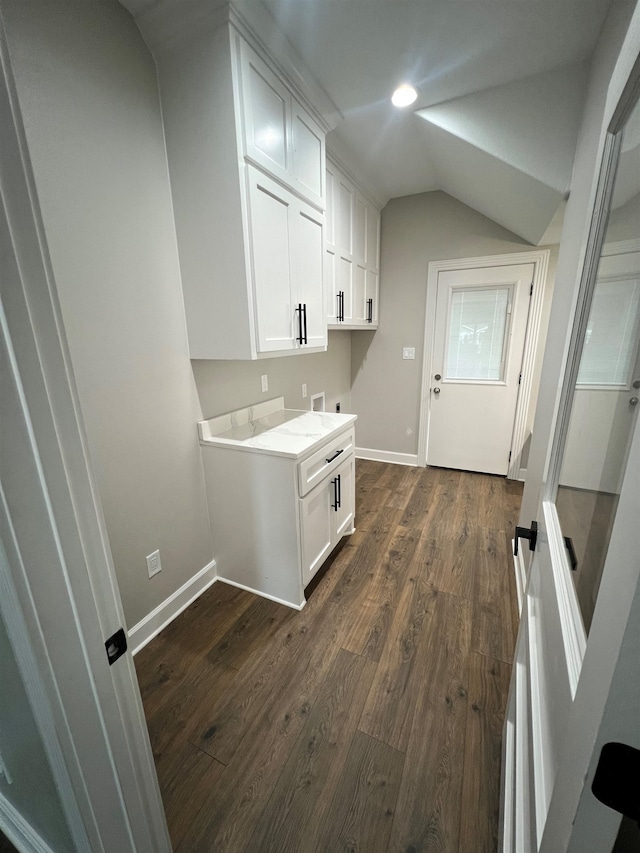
{"x":612,"y":333}
{"x":477,"y":330}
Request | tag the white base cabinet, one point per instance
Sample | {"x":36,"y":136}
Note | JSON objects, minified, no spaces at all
{"x":326,"y":515}
{"x":275,"y":520}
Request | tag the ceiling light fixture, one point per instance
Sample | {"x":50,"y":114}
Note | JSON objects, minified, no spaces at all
{"x":404,"y":95}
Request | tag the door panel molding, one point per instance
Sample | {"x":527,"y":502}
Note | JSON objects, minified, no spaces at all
{"x":540,"y":259}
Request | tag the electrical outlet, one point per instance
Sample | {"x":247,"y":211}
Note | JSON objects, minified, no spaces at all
{"x":408,"y":352}
{"x":153,"y":563}
{"x":337,"y":407}
{"x":264,"y":381}
{"x":304,"y":390}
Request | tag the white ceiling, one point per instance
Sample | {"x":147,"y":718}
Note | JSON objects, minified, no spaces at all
{"x":501,"y":86}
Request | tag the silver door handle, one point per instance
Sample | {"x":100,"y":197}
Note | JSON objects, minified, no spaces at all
{"x":633,"y":401}
{"x":437,"y":391}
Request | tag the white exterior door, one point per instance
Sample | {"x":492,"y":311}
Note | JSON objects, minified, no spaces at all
{"x":481,"y":322}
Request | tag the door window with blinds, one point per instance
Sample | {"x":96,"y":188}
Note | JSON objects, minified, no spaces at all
{"x":478,"y":333}
{"x":611,"y":336}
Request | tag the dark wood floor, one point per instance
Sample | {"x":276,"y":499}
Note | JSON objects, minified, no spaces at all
{"x":371,"y":720}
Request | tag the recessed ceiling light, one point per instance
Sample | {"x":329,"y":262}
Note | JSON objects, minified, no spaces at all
{"x":404,"y":95}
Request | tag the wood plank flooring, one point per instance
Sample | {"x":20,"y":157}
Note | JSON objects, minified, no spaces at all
{"x":370,"y":721}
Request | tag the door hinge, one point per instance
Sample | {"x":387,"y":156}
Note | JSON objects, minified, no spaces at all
{"x":519,"y":379}
{"x":531,"y":290}
{"x":116,"y":645}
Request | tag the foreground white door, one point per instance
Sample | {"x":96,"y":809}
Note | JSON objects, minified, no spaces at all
{"x":576,"y":677}
{"x":481,"y":322}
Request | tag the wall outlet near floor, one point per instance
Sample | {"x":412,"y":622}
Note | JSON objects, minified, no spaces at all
{"x":304,"y":390}
{"x":264,"y":381}
{"x":153,"y":563}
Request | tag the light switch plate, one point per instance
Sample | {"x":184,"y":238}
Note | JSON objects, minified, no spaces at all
{"x":408,"y":352}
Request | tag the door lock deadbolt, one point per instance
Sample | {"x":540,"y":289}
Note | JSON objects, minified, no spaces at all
{"x":437,"y":377}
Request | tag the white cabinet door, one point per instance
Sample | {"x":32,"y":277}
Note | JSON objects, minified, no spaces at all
{"x":270,"y":235}
{"x":373,"y":238}
{"x":358,"y":296}
{"x":316,"y":528}
{"x":326,"y":515}
{"x":266,"y":108}
{"x":308,"y":284}
{"x":345,"y":210}
{"x":308,"y":155}
{"x":330,"y":261}
{"x":344,"y":515}
{"x":360,"y":231}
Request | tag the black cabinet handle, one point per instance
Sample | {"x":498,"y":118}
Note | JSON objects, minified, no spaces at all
{"x":299,"y":338}
{"x":339,"y":501}
{"x":530,"y":533}
{"x":369,"y":310}
{"x":335,"y":494}
{"x":335,"y":455}
{"x":340,"y":306}
{"x":304,"y":314}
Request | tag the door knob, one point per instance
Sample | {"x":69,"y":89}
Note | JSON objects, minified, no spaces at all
{"x":633,"y":401}
{"x":436,"y":390}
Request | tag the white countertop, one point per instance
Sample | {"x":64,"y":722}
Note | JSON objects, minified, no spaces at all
{"x":270,"y":428}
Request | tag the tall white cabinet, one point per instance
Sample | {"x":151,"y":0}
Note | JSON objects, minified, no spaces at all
{"x":247,"y":168}
{"x":352,"y":261}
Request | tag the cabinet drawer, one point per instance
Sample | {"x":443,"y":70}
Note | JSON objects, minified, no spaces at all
{"x":313,"y":470}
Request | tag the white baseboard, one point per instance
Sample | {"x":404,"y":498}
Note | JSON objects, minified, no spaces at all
{"x":521,"y":574}
{"x":164,"y":613}
{"x":262,"y":594}
{"x":387,"y":456}
{"x":18,"y":831}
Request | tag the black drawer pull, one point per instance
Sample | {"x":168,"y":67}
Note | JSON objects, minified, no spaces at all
{"x":335,"y":455}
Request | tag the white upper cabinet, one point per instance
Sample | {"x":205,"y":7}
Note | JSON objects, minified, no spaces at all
{"x":280,"y":135}
{"x":351,"y":254}
{"x":247,"y":168}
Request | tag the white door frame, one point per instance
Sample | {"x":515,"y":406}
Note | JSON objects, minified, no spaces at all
{"x":540,"y":259}
{"x":59,"y":560}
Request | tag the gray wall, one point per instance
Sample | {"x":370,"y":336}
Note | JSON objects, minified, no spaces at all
{"x":416,"y":229}
{"x":227,"y":385}
{"x":88,"y":94}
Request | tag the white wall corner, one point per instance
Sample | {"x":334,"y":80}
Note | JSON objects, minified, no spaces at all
{"x":387,"y":456}
{"x":18,"y":831}
{"x":149,"y":627}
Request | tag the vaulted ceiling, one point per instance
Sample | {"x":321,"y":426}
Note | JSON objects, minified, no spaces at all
{"x":501,"y":85}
